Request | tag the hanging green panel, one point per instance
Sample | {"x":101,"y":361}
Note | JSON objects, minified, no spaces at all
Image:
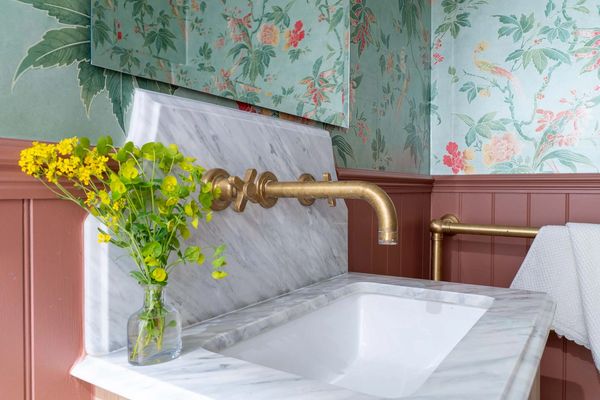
{"x":288,"y":55}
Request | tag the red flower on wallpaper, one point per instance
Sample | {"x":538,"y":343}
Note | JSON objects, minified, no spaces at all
{"x":293,"y":37}
{"x":246,"y":107}
{"x":457,"y":160}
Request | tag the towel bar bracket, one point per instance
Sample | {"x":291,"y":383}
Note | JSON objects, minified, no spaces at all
{"x":449,"y":224}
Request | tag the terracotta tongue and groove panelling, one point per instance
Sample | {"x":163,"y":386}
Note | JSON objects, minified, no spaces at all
{"x":41,"y":282}
{"x":568,"y":372}
{"x":411,"y":197}
{"x":41,"y":265}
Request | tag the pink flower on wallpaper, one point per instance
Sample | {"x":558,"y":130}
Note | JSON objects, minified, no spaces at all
{"x":220,"y":42}
{"x":293,"y":37}
{"x":438,"y":58}
{"x":547,"y":119}
{"x":500,"y":149}
{"x":438,"y":44}
{"x":389,"y":63}
{"x":458,"y":160}
{"x":568,"y":140}
{"x":236,"y":25}
{"x":269,"y":34}
{"x":587,"y":33}
{"x":594,"y":66}
{"x":363,"y":131}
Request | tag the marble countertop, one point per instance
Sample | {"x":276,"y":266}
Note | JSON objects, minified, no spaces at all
{"x":497,"y":359}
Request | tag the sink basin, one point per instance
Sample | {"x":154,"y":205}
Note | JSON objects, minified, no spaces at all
{"x":355,"y":336}
{"x":377,"y":344}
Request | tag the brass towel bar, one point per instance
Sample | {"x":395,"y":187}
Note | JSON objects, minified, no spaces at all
{"x":449,"y":224}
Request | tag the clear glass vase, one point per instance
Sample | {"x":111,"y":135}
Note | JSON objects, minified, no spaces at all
{"x":154,"y":331}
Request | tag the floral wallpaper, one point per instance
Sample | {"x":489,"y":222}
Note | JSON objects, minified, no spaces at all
{"x":46,"y":67}
{"x":515,"y":89}
{"x":285,"y":55}
{"x":389,"y":86}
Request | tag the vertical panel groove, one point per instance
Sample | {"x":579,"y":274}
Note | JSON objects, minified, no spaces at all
{"x":492,"y":242}
{"x":459,"y":241}
{"x":27,"y":320}
{"x":564,"y":341}
{"x":564,"y":368}
{"x":425,"y":213}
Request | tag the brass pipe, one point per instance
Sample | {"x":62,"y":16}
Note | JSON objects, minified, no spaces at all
{"x":373,"y":194}
{"x":449,"y":224}
{"x":265,"y":190}
{"x":437,"y":240}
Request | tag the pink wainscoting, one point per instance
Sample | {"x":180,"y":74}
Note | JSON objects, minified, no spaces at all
{"x":41,"y":282}
{"x":411,"y":195}
{"x":41,"y":311}
{"x":568,"y":372}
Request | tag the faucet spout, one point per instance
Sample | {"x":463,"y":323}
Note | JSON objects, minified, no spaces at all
{"x":266,"y":190}
{"x":371,"y":193}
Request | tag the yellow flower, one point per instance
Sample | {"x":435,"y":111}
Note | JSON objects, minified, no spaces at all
{"x":118,"y":205}
{"x":90,"y":200}
{"x":269,"y":34}
{"x":469,"y":169}
{"x":51,"y":173}
{"x":219,"y":274}
{"x":129,"y":170}
{"x":468,"y":154}
{"x":84,"y":175}
{"x":151,"y":261}
{"x":481,"y":47}
{"x":159,"y":274}
{"x":169,"y":184}
{"x":95,"y":163}
{"x":103,"y":237}
{"x":33,"y":159}
{"x":68,"y":166}
{"x":66,"y":146}
{"x":104,"y":199}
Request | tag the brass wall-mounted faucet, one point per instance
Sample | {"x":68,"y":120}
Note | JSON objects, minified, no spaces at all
{"x":266,"y":190}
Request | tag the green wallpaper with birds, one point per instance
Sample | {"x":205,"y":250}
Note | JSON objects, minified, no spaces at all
{"x":49,"y":90}
{"x":516,"y":86}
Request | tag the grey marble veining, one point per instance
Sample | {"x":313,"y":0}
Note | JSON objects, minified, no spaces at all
{"x":270,"y":252}
{"x":497,"y":359}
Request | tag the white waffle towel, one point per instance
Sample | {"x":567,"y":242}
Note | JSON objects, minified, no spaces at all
{"x":564,"y":261}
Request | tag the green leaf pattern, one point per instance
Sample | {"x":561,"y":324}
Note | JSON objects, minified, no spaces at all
{"x":71,"y":44}
{"x":390,"y":109}
{"x":525,"y":99}
{"x":241,"y":50}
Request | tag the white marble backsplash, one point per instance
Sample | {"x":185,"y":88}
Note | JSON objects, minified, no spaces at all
{"x":269,"y":252}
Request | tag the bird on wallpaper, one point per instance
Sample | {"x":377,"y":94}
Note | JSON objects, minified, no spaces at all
{"x":494,"y":69}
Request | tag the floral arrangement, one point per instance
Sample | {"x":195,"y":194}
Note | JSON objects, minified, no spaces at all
{"x":147,"y":197}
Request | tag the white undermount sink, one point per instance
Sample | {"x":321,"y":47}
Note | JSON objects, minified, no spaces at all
{"x":377,"y":344}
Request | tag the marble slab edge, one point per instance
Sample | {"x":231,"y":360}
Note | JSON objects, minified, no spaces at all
{"x":203,"y":374}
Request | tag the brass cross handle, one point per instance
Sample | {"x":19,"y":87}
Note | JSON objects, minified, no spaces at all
{"x":265,"y":190}
{"x":244,"y":189}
